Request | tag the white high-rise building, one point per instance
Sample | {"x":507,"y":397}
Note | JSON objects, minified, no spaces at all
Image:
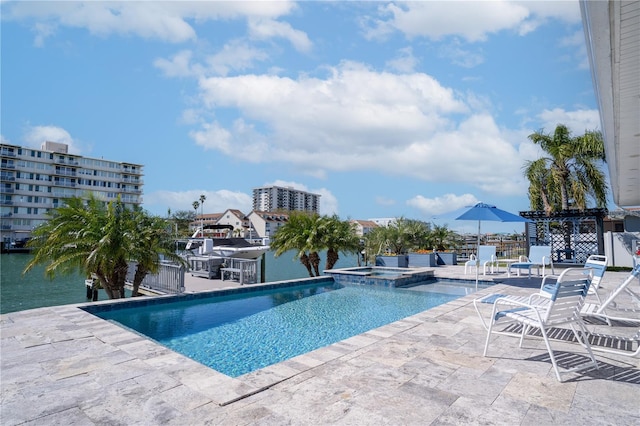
{"x":33,"y":181}
{"x":273,"y":198}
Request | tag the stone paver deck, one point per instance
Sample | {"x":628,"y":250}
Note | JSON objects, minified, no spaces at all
{"x":61,"y":365}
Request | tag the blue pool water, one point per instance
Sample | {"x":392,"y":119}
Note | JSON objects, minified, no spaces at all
{"x":242,"y":333}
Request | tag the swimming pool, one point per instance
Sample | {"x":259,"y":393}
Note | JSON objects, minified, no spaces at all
{"x":239,"y":333}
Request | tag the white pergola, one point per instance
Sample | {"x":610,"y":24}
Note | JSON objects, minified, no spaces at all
{"x":612,"y":31}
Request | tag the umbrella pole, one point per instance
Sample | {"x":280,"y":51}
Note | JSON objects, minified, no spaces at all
{"x":478,"y":256}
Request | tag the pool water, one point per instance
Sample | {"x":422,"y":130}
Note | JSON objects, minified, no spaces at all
{"x":239,"y":334}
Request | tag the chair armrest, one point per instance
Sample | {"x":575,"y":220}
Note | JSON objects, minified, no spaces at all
{"x":544,"y":281}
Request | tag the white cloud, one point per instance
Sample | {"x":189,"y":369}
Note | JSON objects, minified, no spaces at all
{"x":268,"y":28}
{"x":236,"y":55}
{"x":473,"y":21}
{"x":36,"y":135}
{"x":166,"y":21}
{"x":577,"y":121}
{"x":444,"y":204}
{"x":178,"y":66}
{"x":359,"y":119}
{"x":404,"y":62}
{"x":460,"y":56}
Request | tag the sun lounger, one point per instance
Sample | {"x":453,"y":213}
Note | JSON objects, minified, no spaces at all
{"x":605,"y":309}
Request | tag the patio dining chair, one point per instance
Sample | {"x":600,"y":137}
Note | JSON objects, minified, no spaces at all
{"x":486,"y":257}
{"x":566,"y":298}
{"x":539,"y":257}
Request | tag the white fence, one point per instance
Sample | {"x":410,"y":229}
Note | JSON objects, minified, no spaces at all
{"x":168,"y":280}
{"x":245,"y":271}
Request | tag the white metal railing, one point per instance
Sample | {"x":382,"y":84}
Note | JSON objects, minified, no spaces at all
{"x":245,"y":271}
{"x":169,"y":279}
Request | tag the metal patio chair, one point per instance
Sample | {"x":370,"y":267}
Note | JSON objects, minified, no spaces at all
{"x":564,"y":303}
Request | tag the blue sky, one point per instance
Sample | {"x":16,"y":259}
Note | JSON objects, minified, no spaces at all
{"x":386,"y":109}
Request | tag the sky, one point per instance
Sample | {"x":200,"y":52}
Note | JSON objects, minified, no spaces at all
{"x":385,"y":109}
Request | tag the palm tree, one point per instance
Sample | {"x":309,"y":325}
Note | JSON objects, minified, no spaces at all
{"x":570,"y":174}
{"x":84,"y":236}
{"x":443,"y":238}
{"x":338,"y":236}
{"x":100,"y":240}
{"x":398,"y":237}
{"x":150,"y":238}
{"x":295,"y":235}
{"x":309,"y":234}
{"x":195,"y":205}
{"x":202,"y":199}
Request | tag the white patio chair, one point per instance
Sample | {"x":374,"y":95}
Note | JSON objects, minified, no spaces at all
{"x":595,"y":266}
{"x":563,"y":308}
{"x":486,"y":257}
{"x":539,"y":257}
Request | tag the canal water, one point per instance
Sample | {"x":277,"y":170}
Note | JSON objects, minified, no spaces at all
{"x":33,"y":290}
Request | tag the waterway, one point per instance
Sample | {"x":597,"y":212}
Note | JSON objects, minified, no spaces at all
{"x":20,"y":291}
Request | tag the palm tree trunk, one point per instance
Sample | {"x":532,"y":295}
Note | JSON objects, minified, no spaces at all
{"x":141,"y":273}
{"x":332,"y":258}
{"x":314,"y":259}
{"x":304,"y":259}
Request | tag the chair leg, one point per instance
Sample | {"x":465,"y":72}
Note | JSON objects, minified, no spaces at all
{"x":583,"y":339}
{"x":475,"y":305}
{"x":553,"y":358}
{"x":489,"y":330}
{"x":525,"y":330}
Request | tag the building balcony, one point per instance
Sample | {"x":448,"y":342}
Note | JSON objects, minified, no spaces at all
{"x":6,"y":202}
{"x":69,"y":162}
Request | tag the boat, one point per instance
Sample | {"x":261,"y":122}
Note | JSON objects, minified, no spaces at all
{"x":227,"y":247}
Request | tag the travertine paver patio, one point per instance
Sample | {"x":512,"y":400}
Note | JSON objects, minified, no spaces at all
{"x":61,"y":365}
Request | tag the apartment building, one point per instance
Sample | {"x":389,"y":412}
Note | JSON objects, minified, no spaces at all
{"x":33,"y":181}
{"x":274,"y":198}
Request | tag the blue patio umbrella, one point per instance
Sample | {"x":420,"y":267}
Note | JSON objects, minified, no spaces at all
{"x":487,"y":212}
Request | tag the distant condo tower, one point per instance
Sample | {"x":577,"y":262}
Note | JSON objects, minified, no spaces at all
{"x":35,"y":181}
{"x":273,"y":198}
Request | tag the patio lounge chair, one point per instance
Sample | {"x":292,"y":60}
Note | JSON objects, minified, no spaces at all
{"x":486,"y":257}
{"x":539,"y":257}
{"x":604,"y":309}
{"x":566,"y":300}
{"x":595,"y":266}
